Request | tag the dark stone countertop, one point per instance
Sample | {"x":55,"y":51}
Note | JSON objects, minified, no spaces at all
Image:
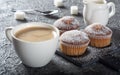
{"x":10,"y":63}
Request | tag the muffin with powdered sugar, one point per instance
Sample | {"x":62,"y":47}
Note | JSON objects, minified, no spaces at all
{"x":67,"y":23}
{"x":74,"y":42}
{"x":100,"y":35}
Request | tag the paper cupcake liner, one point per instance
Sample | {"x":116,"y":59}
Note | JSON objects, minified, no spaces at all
{"x":73,"y":50}
{"x":100,"y":42}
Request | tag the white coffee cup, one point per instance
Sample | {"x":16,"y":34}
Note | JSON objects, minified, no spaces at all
{"x":33,"y":54}
{"x":98,"y":11}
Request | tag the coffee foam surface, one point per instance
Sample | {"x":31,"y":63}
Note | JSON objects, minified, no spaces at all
{"x":35,"y":34}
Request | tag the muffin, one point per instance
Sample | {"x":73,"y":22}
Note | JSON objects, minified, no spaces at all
{"x":67,"y":23}
{"x":100,"y":35}
{"x":74,"y":42}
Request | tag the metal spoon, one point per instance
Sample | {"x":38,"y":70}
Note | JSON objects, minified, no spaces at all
{"x":47,"y":12}
{"x":42,"y":12}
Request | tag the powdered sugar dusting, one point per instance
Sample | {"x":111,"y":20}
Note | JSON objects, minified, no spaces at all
{"x":74,"y":37}
{"x":97,"y":29}
{"x":61,"y":23}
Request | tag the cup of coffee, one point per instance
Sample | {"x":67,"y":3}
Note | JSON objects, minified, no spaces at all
{"x":35,"y":43}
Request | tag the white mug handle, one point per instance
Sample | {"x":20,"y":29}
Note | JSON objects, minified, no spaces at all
{"x":112,"y":6}
{"x":8,"y":33}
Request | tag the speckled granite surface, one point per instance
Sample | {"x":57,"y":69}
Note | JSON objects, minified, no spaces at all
{"x":10,"y":63}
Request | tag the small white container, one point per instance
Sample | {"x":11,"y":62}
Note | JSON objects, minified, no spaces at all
{"x":19,"y":15}
{"x":58,"y":3}
{"x":74,"y":10}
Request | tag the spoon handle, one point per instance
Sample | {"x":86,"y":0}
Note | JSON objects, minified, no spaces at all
{"x":30,"y":10}
{"x":39,"y":11}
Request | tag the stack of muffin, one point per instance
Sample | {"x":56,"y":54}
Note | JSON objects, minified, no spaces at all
{"x":74,"y":42}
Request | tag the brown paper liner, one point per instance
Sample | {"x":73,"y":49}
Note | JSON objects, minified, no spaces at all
{"x":97,"y":42}
{"x":73,"y":50}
